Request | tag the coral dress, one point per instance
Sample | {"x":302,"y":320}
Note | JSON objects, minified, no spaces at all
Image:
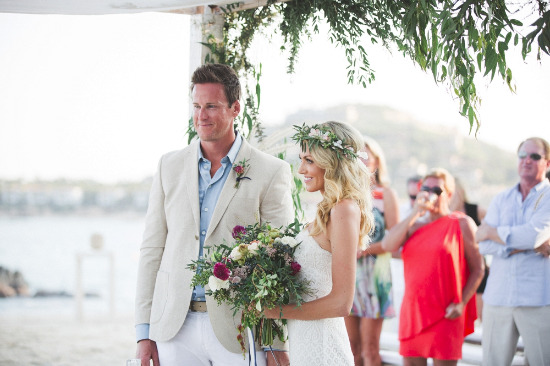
{"x":435,"y":274}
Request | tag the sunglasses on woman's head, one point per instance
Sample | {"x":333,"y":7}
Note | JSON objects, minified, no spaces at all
{"x":436,"y":190}
{"x":533,"y":156}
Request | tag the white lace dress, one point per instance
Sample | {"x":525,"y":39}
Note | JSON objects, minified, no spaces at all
{"x":317,"y":342}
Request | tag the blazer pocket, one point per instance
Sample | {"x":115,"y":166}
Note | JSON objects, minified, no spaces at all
{"x":160,"y":297}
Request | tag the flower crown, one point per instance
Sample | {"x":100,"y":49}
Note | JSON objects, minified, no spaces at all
{"x":323,"y":136}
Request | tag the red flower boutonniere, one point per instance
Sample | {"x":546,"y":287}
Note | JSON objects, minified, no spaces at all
{"x":241,"y":168}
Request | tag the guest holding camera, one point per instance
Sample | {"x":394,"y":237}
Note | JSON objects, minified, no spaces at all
{"x":443,"y":268}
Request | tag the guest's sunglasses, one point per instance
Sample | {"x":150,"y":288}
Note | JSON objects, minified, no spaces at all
{"x":412,"y":196}
{"x":533,"y":156}
{"x":436,"y":190}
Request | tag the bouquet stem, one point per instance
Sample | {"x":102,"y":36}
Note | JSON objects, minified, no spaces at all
{"x":267,"y":331}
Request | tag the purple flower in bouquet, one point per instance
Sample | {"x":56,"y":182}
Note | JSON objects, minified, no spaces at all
{"x":241,"y":272}
{"x":221,"y":271}
{"x":238,"y":232}
{"x":271,"y":251}
{"x":295,"y":267}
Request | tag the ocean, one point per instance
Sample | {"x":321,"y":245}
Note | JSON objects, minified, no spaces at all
{"x":45,"y":250}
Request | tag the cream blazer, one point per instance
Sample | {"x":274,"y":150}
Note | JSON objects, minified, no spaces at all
{"x":171,"y":236}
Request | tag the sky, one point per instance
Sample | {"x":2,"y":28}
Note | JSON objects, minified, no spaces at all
{"x":103,"y":97}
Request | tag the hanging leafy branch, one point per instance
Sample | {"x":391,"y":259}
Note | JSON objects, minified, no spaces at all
{"x":454,"y":40}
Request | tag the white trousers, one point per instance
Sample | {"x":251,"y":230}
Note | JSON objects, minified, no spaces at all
{"x":197,"y":345}
{"x":502,"y":327}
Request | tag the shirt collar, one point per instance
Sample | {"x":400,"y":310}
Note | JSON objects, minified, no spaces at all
{"x":232,"y":154}
{"x":541,"y":185}
{"x":545,"y":183}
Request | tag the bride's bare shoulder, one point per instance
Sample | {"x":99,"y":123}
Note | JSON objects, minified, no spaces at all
{"x":346,"y":208}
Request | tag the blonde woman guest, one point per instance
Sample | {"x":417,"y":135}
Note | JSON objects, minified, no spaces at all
{"x":328,"y":249}
{"x":373,"y":301}
{"x":443,"y":268}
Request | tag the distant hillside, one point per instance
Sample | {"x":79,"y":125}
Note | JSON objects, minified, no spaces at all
{"x":412,"y":147}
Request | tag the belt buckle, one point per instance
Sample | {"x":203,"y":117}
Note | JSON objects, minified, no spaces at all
{"x":198,"y":306}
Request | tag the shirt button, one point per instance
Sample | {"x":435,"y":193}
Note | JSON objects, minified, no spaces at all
{"x":206,"y":209}
{"x":203,"y":232}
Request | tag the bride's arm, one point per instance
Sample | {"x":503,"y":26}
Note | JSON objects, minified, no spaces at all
{"x":343,"y":233}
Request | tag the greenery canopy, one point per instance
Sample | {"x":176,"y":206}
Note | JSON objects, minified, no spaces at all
{"x":455,"y":40}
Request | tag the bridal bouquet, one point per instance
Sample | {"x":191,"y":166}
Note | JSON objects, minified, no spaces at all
{"x":257,"y":270}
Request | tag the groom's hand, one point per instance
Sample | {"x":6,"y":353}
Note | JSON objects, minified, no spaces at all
{"x":282,"y":357}
{"x":146,"y":351}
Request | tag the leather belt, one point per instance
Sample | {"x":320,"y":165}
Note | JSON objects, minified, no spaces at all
{"x":198,"y":306}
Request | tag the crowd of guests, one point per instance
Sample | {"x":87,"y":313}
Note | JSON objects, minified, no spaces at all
{"x":444,"y":241}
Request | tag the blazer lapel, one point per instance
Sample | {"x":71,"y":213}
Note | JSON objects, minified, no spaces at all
{"x":229,"y":190}
{"x":191,"y":180}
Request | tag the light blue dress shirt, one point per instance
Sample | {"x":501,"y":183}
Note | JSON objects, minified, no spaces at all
{"x":209,"y":192}
{"x":210,"y":189}
{"x":521,"y":279}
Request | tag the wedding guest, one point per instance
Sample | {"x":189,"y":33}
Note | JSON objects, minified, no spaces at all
{"x":413,"y":187}
{"x":373,"y":300}
{"x":443,"y":268}
{"x":196,"y":198}
{"x":460,"y":202}
{"x":516,"y":232}
{"x":328,"y":249}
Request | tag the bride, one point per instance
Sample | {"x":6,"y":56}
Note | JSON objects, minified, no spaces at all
{"x":328,"y":252}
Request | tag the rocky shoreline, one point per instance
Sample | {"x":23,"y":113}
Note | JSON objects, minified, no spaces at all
{"x":12,"y":283}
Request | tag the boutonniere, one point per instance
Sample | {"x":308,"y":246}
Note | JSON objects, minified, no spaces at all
{"x":241,"y":168}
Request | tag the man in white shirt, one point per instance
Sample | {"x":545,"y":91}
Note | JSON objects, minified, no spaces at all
{"x":516,"y":232}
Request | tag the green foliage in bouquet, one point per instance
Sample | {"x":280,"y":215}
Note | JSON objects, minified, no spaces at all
{"x":256,"y":271}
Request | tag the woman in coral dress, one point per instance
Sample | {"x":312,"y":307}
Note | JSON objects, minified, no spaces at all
{"x":442,"y":267}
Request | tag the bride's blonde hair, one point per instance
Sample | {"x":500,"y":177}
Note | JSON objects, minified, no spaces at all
{"x":346,"y":177}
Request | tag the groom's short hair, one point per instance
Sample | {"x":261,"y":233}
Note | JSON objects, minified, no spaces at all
{"x":219,"y":74}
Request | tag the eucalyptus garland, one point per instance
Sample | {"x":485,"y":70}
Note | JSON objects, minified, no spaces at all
{"x":454,"y":40}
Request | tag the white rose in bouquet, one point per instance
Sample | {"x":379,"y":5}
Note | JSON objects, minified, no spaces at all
{"x":216,"y":284}
{"x":253,"y":247}
{"x":290,"y":241}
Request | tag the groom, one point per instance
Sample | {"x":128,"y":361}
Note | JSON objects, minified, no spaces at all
{"x":195,"y":201}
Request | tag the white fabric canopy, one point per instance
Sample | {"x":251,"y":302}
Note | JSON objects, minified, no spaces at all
{"x":97,"y":7}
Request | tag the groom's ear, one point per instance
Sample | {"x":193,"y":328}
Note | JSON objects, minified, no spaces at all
{"x":236,"y":108}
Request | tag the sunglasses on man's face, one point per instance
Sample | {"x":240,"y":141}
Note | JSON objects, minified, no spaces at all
{"x":533,"y":156}
{"x":436,"y":190}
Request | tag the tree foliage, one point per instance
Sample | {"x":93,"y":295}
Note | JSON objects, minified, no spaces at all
{"x":454,"y":40}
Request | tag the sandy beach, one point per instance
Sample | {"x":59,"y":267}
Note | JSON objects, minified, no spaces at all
{"x":63,"y":341}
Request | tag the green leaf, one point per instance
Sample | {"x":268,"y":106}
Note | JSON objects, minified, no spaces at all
{"x":490,"y":60}
{"x":479,"y":59}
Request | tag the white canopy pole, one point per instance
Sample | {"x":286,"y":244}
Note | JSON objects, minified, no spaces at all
{"x":208,"y":21}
